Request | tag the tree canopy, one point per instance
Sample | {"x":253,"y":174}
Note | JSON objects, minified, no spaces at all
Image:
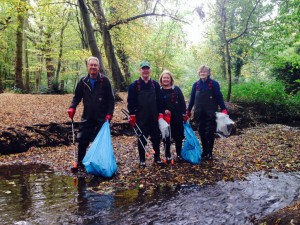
{"x":44,"y":44}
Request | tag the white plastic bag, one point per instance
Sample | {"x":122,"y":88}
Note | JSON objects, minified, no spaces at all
{"x":224,"y":124}
{"x":164,"y":128}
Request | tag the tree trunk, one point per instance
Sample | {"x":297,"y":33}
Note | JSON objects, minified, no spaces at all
{"x":27,"y":75}
{"x":27,"y":78}
{"x":19,"y":49}
{"x":223,"y":64}
{"x":49,"y":62}
{"x":1,"y":82}
{"x":38,"y":74}
{"x":226,"y":43}
{"x":118,"y":79}
{"x":50,"y":72}
{"x":124,"y":62}
{"x":228,"y":71}
{"x":61,"y":44}
{"x":90,"y":32}
{"x":83,"y":35}
{"x":238,"y":69}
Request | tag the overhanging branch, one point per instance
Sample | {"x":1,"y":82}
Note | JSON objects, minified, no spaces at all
{"x":124,"y":21}
{"x":247,"y":24}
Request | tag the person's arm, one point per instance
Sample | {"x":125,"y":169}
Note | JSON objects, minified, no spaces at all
{"x":132,"y":100}
{"x":159,"y":99}
{"x":181,"y":101}
{"x":77,"y":95}
{"x":162,"y":100}
{"x":192,"y":97}
{"x":219,"y":96}
{"x":110,"y":97}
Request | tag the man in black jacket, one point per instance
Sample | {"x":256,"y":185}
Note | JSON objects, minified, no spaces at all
{"x":145,"y":109}
{"x":98,"y":101}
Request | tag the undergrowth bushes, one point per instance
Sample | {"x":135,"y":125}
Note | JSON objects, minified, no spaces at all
{"x":269,"y":97}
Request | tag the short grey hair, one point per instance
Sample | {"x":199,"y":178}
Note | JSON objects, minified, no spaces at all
{"x":204,"y":67}
{"x":92,"y":58}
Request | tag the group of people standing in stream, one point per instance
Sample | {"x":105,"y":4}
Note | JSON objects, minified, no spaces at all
{"x":148,"y":101}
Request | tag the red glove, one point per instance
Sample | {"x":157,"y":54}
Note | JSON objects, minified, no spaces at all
{"x":167,"y":118}
{"x":71,"y":112}
{"x":132,"y":120}
{"x":188,"y":113}
{"x":108,"y":117}
{"x":185,"y":118}
{"x":160,"y":116}
{"x":224,"y":111}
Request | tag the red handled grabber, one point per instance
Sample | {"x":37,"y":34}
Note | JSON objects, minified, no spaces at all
{"x":75,"y":166}
{"x":139,"y":135}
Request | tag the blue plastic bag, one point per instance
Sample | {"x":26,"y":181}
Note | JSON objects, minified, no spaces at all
{"x":191,"y":150}
{"x":100,"y":159}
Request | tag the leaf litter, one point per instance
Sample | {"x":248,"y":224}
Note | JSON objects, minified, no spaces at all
{"x":268,"y":148}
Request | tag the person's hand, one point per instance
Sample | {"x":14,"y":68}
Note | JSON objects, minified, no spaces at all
{"x":71,"y":112}
{"x":167,"y":112}
{"x":185,"y":118}
{"x":167,"y":118}
{"x":160,"y":116}
{"x":108,"y":117}
{"x":224,"y":111}
{"x":188,"y":113}
{"x":132,"y":120}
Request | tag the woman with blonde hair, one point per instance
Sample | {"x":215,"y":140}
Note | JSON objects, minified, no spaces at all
{"x":207,"y":98}
{"x":174,"y":110}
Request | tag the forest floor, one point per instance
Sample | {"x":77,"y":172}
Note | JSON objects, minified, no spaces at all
{"x":35,"y":129}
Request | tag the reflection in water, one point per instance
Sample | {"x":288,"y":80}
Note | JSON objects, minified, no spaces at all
{"x":36,"y":195}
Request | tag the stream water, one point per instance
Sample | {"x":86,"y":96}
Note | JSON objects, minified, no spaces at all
{"x":37,"y":195}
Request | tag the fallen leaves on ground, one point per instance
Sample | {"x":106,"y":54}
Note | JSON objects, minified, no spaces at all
{"x":265,"y":147}
{"x":269,"y":147}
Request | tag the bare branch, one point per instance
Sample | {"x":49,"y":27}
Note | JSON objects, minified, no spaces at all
{"x":124,"y":21}
{"x":246,"y":27}
{"x":154,"y":8}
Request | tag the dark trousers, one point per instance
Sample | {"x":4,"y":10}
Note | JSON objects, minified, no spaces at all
{"x":86,"y":135}
{"x":207,"y":128}
{"x":155,"y":143}
{"x":167,"y":145}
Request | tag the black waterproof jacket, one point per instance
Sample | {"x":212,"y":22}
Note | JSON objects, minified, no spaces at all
{"x":97,"y":102}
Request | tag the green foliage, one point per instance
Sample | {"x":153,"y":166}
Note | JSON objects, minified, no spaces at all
{"x":8,"y":84}
{"x":286,"y":67}
{"x":14,"y":90}
{"x":269,"y":96}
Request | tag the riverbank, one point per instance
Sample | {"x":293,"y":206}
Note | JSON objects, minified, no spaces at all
{"x":261,"y":147}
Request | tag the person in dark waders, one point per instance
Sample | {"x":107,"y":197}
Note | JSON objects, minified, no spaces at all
{"x":144,"y":108}
{"x":207,"y":98}
{"x":174,"y":109}
{"x":98,"y":101}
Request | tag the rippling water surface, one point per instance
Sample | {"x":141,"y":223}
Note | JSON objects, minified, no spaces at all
{"x":37,"y":195}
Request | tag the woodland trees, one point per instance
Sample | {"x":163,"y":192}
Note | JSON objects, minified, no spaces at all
{"x":44,"y":43}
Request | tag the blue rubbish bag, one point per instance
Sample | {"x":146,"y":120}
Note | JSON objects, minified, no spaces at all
{"x":100,"y":159}
{"x":191,"y":150}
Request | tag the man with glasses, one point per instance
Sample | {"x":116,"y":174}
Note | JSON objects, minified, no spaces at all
{"x":98,"y":101}
{"x":145,"y":109}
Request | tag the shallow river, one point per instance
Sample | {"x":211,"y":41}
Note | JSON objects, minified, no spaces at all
{"x":37,"y":195}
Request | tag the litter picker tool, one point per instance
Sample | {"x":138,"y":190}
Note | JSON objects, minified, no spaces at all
{"x":75,"y":166}
{"x":139,"y":135}
{"x":165,"y":130}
